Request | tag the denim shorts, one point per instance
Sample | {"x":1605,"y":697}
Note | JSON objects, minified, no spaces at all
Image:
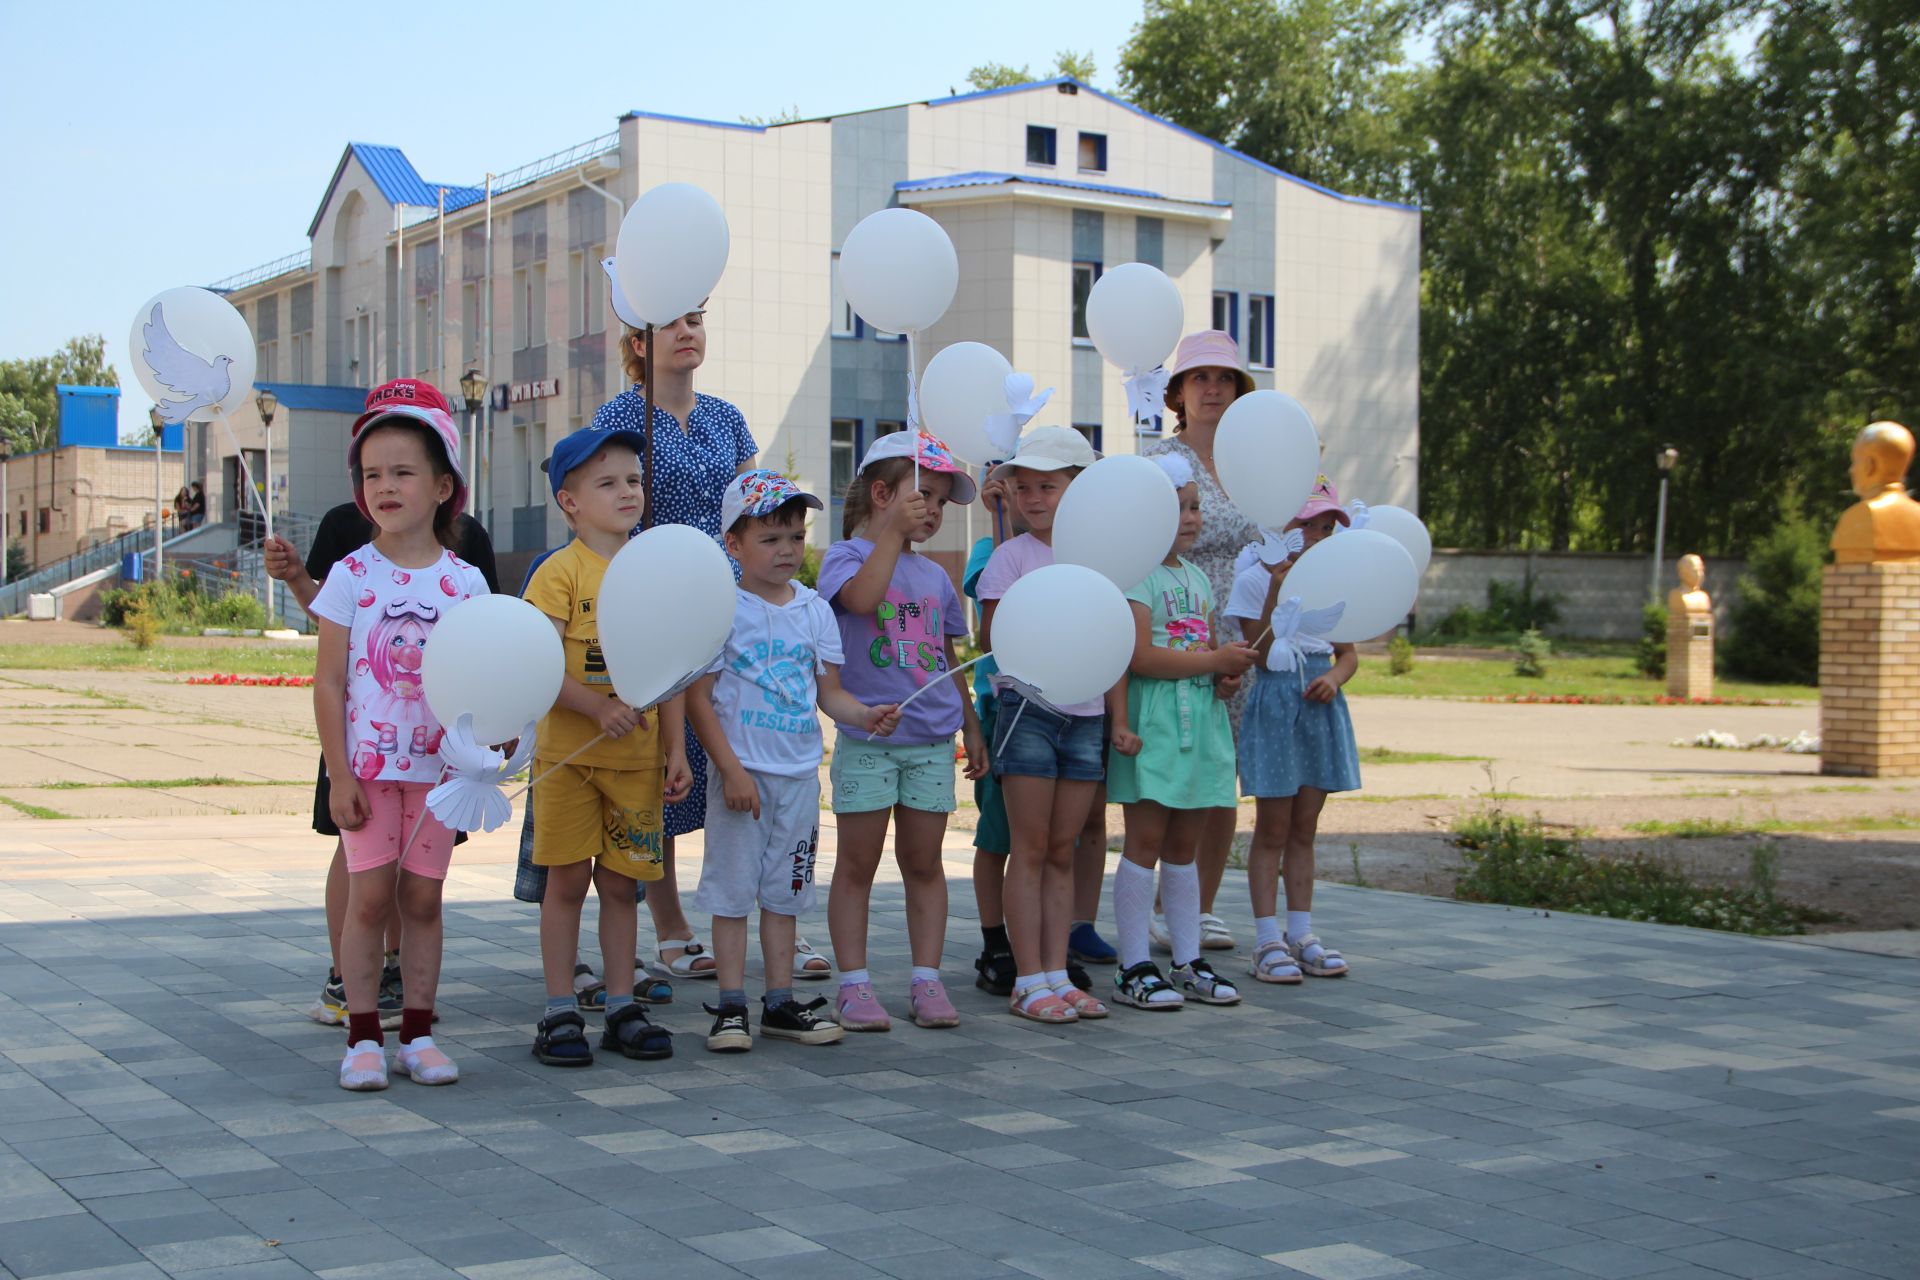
{"x":1034,"y":742}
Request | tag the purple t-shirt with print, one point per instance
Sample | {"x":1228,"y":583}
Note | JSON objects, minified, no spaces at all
{"x":901,"y":647}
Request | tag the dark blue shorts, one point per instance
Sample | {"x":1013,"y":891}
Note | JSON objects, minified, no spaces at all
{"x":1032,"y":741}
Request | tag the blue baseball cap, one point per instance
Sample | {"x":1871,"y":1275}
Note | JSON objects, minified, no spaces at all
{"x":579,"y":447}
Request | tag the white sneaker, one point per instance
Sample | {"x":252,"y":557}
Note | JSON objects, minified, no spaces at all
{"x":1214,"y":935}
{"x":422,"y":1063}
{"x":1158,"y":935}
{"x":364,"y":1068}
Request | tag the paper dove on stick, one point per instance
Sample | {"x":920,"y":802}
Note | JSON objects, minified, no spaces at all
{"x":1146,"y":392}
{"x":1298,"y":632}
{"x":1003,"y":429}
{"x":469,"y":799}
{"x":200,"y":384}
{"x":1357,"y":512}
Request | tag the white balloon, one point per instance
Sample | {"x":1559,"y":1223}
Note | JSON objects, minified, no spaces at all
{"x":1268,"y":456}
{"x":497,"y":659}
{"x":1118,"y":517}
{"x":1065,"y":631}
{"x":964,"y":385}
{"x":666,"y":606}
{"x":193,"y":353}
{"x":1134,"y":316}
{"x":1369,"y":572}
{"x":672,"y":248}
{"x":899,"y":270}
{"x":1405,"y":528}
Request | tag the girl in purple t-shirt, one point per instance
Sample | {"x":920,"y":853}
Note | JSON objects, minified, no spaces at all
{"x":898,"y":615}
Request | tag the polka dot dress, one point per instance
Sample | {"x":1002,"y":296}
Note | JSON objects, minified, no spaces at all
{"x":1287,"y":743}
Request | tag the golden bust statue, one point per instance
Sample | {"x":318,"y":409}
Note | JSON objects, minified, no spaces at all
{"x":1885,"y":523}
{"x":1689,"y":598}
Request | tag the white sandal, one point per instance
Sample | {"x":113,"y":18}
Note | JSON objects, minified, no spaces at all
{"x":1214,"y":934}
{"x":1315,"y":958}
{"x":1272,"y":962}
{"x":682,"y":965}
{"x":803,"y":958}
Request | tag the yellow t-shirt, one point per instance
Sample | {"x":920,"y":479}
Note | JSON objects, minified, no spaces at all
{"x":564,"y":587}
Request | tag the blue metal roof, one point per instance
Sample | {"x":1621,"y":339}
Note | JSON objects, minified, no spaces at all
{"x":983,"y":178}
{"x":321,"y":399}
{"x":711,"y":124}
{"x":397,"y":180}
{"x":1215,"y":143}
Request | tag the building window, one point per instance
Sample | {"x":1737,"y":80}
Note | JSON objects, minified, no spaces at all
{"x":1093,"y":152}
{"x":470,"y":323}
{"x":1040,"y":144}
{"x":1260,"y":330}
{"x":585,"y":307}
{"x":46,"y":519}
{"x":843,"y":444}
{"x":845,"y":322}
{"x":1150,"y":241}
{"x":300,"y":372}
{"x":882,"y":335}
{"x":1226,"y":313}
{"x":422,"y":334}
{"x":1091,"y":430}
{"x":1084,"y":275}
{"x":886,"y":427}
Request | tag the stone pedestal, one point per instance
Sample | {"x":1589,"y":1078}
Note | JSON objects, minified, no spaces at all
{"x":1870,"y":670}
{"x":1689,"y":655}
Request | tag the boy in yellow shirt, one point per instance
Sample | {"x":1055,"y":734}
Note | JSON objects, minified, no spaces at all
{"x":596,"y":817}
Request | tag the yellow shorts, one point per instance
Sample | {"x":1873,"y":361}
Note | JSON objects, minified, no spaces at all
{"x":610,"y":814}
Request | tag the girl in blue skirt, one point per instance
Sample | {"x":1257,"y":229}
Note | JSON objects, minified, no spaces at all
{"x":1296,"y":746}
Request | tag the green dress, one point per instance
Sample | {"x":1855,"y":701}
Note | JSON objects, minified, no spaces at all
{"x":1186,"y":752}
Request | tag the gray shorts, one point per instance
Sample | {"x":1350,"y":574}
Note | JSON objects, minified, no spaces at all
{"x":769,"y":859}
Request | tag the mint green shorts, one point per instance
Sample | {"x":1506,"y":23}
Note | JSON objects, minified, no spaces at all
{"x":879,"y":775}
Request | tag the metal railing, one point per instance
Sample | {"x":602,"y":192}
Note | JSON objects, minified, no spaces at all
{"x":243,"y":571}
{"x":300,"y":261}
{"x":13,"y":596}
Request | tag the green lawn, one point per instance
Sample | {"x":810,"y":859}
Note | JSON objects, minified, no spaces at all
{"x":1586,"y":674}
{"x":1704,"y":828}
{"x":258,"y":659}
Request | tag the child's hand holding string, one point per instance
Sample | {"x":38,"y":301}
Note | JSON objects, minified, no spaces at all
{"x":1234,"y":659}
{"x":617,"y":719}
{"x":884,"y":719}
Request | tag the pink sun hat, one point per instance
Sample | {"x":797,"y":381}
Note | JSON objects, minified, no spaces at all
{"x":1210,"y":349}
{"x":1323,"y":498}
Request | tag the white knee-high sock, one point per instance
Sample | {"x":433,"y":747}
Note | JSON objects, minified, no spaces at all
{"x":1132,"y":909}
{"x":1180,"y":894}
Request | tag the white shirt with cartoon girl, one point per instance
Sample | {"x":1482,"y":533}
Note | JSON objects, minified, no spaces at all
{"x":389,"y":612}
{"x":767,"y":691}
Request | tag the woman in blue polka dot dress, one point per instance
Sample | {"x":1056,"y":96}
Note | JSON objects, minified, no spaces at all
{"x":1296,"y":746}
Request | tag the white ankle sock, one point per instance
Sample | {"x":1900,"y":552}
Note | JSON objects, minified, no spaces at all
{"x":1132,"y":910}
{"x":1057,"y":978}
{"x":1180,"y":892}
{"x":1299,"y":924}
{"x":921,"y":973}
{"x":1265,"y":929}
{"x":855,"y":978}
{"x":1035,"y":985}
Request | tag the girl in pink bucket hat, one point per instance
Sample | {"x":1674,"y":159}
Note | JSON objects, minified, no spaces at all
{"x":1296,"y":747}
{"x":1207,"y":375}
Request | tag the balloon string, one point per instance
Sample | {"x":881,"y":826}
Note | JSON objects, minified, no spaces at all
{"x":245,"y":470}
{"x":596,"y":741}
{"x":934,"y":683}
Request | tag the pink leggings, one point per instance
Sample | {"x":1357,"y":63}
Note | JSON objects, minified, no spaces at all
{"x":396,"y":807}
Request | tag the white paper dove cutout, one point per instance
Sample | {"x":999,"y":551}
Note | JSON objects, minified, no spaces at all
{"x":1275,"y":547}
{"x":1146,"y":392}
{"x":621,"y":308}
{"x":1357,"y":512}
{"x":199,"y":383}
{"x":1003,"y":429}
{"x":469,"y":798}
{"x":1298,"y":632}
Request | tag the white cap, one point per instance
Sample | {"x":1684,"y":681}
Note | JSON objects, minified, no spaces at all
{"x":1049,"y":449}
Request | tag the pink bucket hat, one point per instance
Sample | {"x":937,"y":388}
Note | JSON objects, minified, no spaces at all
{"x":1320,"y":501}
{"x":1210,"y":349}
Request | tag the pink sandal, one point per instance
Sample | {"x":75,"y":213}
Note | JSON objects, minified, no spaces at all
{"x":1047,"y":1008}
{"x":1083,"y":1003}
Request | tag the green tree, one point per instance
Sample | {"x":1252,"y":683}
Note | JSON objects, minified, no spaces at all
{"x":29,"y":405}
{"x":1001,"y":75}
{"x":1773,"y":632}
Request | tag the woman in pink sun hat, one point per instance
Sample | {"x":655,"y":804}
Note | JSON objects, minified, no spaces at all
{"x":1206,"y":376}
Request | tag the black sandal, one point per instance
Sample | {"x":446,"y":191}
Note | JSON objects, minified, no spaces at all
{"x":561,"y":1040}
{"x":629,"y":1032}
{"x":996,"y":972}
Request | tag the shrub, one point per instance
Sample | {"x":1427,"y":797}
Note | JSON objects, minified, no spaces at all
{"x":236,"y":611}
{"x":142,"y":627}
{"x":179,"y":607}
{"x":809,"y":574}
{"x":1512,"y":608}
{"x":1530,"y":654}
{"x":1773,"y":633}
{"x":1400,"y":654}
{"x":1651,"y":657}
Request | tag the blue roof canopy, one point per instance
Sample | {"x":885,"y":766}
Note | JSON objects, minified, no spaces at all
{"x":985,"y":178}
{"x":318,"y":398}
{"x":397,"y":180}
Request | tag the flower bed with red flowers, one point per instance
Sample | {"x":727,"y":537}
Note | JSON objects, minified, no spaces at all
{"x":261,"y":682}
{"x":1631,"y":700}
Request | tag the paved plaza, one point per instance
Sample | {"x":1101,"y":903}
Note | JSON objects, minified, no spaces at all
{"x":1491,"y":1093}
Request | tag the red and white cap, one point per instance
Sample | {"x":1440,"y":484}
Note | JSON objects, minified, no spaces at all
{"x":416,"y":401}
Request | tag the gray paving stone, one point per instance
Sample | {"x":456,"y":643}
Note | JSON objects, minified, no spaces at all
{"x":46,"y":1246}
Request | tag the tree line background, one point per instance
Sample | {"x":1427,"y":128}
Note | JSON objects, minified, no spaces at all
{"x":1685,"y":222}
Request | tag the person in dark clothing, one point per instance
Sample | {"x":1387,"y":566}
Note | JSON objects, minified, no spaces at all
{"x":342,"y":531}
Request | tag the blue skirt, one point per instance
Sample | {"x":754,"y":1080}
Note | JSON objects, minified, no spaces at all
{"x":1287,"y":743}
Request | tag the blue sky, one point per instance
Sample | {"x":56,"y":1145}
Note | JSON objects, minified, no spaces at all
{"x":154,"y":146}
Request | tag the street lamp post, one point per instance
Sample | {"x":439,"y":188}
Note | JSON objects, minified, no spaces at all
{"x":1667,"y":456}
{"x":474,"y":388}
{"x":159,"y":490}
{"x":6,"y":512}
{"x":267,"y":403}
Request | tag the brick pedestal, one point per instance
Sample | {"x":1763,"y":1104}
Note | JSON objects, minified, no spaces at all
{"x":1690,"y":655}
{"x":1870,"y":670}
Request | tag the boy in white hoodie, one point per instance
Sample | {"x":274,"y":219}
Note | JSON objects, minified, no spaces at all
{"x":755,"y":713}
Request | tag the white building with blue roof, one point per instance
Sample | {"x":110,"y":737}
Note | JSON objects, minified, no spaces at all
{"x":1042,"y":187}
